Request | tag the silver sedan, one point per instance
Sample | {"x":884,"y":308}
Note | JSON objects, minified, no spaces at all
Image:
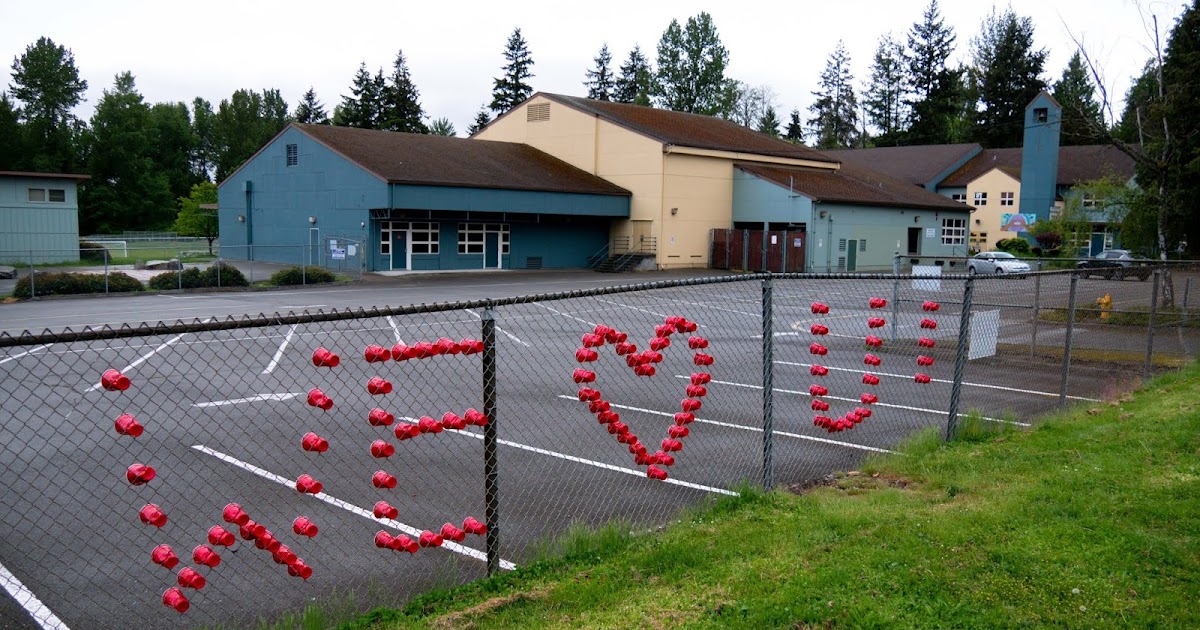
{"x":996,"y":263}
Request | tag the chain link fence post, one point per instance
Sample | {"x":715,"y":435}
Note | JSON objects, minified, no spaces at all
{"x":768,"y":375}
{"x":491,"y":493}
{"x":1066,"y":366}
{"x":960,"y":357}
{"x":1150,"y":324}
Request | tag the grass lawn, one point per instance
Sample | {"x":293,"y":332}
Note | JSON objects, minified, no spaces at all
{"x":1091,"y":519}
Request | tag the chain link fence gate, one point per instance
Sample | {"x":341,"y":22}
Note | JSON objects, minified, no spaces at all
{"x":239,"y":412}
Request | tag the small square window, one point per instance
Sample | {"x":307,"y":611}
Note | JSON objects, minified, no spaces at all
{"x":293,"y":155}
{"x":37,"y":194}
{"x":981,"y":199}
{"x":1006,"y":198}
{"x":57,"y":195}
{"x":1041,"y":114}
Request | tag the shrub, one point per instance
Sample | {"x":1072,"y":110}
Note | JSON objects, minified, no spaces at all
{"x":63,"y":283}
{"x":301,"y":275}
{"x":230,"y":276}
{"x":1015,"y":246}
{"x":92,"y":252}
{"x":189,"y":278}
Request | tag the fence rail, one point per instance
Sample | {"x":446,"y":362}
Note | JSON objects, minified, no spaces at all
{"x":514,"y":419}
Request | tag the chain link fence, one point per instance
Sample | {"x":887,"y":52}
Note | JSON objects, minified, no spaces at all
{"x":498,"y":426}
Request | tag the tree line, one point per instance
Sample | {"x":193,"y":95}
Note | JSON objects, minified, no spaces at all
{"x":143,"y":157}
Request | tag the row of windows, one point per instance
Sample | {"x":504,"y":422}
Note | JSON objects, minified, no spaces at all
{"x":53,"y":195}
{"x":954,"y":231}
{"x":1006,"y":198}
{"x":423,"y":237}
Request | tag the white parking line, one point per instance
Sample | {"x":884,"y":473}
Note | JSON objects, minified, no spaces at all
{"x":279,"y":353}
{"x":855,"y":400}
{"x":589,"y":462}
{"x":392,"y":322}
{"x":145,"y":357}
{"x":506,"y":333}
{"x":42,"y":615}
{"x":743,"y":427}
{"x":349,"y":507}
{"x":240,"y":401}
{"x":632,"y":308}
{"x":558,"y":312}
{"x":942,"y":380}
{"x":718,"y":308}
{"x":27,"y":352}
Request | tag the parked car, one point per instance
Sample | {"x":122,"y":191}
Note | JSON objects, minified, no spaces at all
{"x":1116,"y":264}
{"x":996,"y":263}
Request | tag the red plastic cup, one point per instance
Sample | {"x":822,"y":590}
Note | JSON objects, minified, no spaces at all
{"x":586,"y":355}
{"x":588,"y":394}
{"x":618,"y":428}
{"x":604,"y":331}
{"x":581,"y":375}
{"x":871,"y":359}
{"x":381,"y":449}
{"x":930,"y":306}
{"x":819,"y":308}
{"x":450,"y":532}
{"x":928,"y":324}
{"x":819,"y":329}
{"x":383,"y":480}
{"x":697,"y":391}
{"x":314,"y":443}
{"x":114,"y":381}
{"x":251,"y":530}
{"x":126,"y":424}
{"x":304,"y":527}
{"x":623,"y":348}
{"x":475,"y":417}
{"x":306,"y":484}
{"x":233,"y":513}
{"x":678,"y":431}
{"x":405,"y":431}
{"x":702,"y":359}
{"x":401,"y":352}
{"x":283,"y":555}
{"x":471,"y":525}
{"x":877,"y":302}
{"x":683,"y":417}
{"x":658,"y":343}
{"x":404,"y":543}
{"x":317,"y":398}
{"x":297,"y":568}
{"x":451,"y":420}
{"x":653,"y":355}
{"x":151,"y":514}
{"x":380,"y":418}
{"x":471,"y":346}
{"x":817,"y":390}
{"x":597,"y":406}
{"x":220,"y":536}
{"x":376,"y":354}
{"x":671,"y":445}
{"x":189,"y":578}
{"x":628,"y":437}
{"x":822,"y":421}
{"x":203,"y":554}
{"x":701,"y":378}
{"x":592,"y":340}
{"x":690,"y":405}
{"x":324,"y":358}
{"x":377,"y":386}
{"x":818,"y":370}
{"x":921,"y":378}
{"x":643,"y":458}
{"x":383,"y":509}
{"x":267,"y":541}
{"x":690,"y":326}
{"x":654,"y":472}
{"x":608,"y":417}
{"x":863,"y":412}
{"x":446,"y":345}
{"x":925,"y":342}
{"x":663,"y":459}
{"x":424,"y":350}
{"x":165,"y":556}
{"x":383,"y":540}
{"x":818,"y":349}
{"x":876,"y":322}
{"x":138,"y":474}
{"x":869,"y":399}
{"x":429,"y":539}
{"x":662,"y":330}
{"x":819,"y":405}
{"x":644,"y":369}
{"x":873,"y":341}
{"x":174,"y":598}
{"x":870,"y":379}
{"x":636,"y":447}
{"x":429,"y":425}
{"x":923,"y":360}
{"x":697,"y":343}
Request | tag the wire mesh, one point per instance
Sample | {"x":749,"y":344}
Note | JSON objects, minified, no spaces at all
{"x":228,"y":406}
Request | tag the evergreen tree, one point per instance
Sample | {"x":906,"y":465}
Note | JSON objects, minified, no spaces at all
{"x":12,"y":149}
{"x":884,"y":97}
{"x":204,"y":155}
{"x":482,"y":118}
{"x":936,"y":91}
{"x":512,"y":87}
{"x":361,"y":108}
{"x":1008,"y":71}
{"x":173,"y":142}
{"x":600,"y":83}
{"x":769,"y":122}
{"x":127,"y":190}
{"x":636,"y":82}
{"x":1082,"y":122}
{"x":1179,"y":220}
{"x":46,"y":85}
{"x":310,"y":111}
{"x":400,"y":106}
{"x":835,"y":121}
{"x":442,"y":127}
{"x":795,"y":129}
{"x":691,"y":69}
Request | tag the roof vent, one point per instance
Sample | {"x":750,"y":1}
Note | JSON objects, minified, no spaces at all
{"x":537,"y":112}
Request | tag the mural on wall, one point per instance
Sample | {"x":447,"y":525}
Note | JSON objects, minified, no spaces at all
{"x":1016,"y":222}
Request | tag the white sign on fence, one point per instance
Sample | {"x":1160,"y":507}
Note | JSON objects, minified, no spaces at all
{"x":933,"y":271}
{"x":985,"y":329}
{"x":337,"y":253}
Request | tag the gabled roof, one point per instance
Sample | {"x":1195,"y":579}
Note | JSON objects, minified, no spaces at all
{"x":418,"y":159}
{"x":852,"y":184}
{"x":39,"y":175}
{"x":689,"y":130}
{"x":922,"y":165}
{"x":1076,"y":164}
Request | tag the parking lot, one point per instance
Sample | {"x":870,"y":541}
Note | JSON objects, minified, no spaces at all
{"x":225,"y":411}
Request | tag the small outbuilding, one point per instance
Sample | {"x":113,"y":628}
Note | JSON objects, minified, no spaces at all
{"x":39,"y":217}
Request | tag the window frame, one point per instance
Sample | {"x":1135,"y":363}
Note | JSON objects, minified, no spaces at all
{"x":424,"y":235}
{"x":1007,"y":199}
{"x":980,"y":198}
{"x":292,"y":154}
{"x":954,"y":231}
{"x":472,"y":237}
{"x":30,"y":195}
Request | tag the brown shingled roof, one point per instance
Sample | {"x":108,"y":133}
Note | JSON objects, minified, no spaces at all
{"x":917,"y":164}
{"x":406,"y":158}
{"x":689,"y":130}
{"x":1076,"y":164}
{"x":852,"y":184}
{"x":41,"y":175}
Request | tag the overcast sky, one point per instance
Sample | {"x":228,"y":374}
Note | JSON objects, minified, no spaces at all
{"x":178,"y":50}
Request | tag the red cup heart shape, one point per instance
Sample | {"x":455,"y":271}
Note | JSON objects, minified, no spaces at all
{"x":643,"y":364}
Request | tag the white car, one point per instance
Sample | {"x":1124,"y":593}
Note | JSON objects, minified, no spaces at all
{"x":996,"y":263}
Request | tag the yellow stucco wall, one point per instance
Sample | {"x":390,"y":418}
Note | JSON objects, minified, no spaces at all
{"x":986,"y":218}
{"x":702,"y":190}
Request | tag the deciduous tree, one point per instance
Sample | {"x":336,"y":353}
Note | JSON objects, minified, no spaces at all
{"x":243,"y":124}
{"x":193,"y":220}
{"x":46,"y":86}
{"x":691,"y":68}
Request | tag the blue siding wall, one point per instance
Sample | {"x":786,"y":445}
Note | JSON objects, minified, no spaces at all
{"x":322,"y":184}
{"x":758,"y":201}
{"x":885,"y":231}
{"x":48,"y":231}
{"x":1039,"y":157}
{"x":492,"y":200}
